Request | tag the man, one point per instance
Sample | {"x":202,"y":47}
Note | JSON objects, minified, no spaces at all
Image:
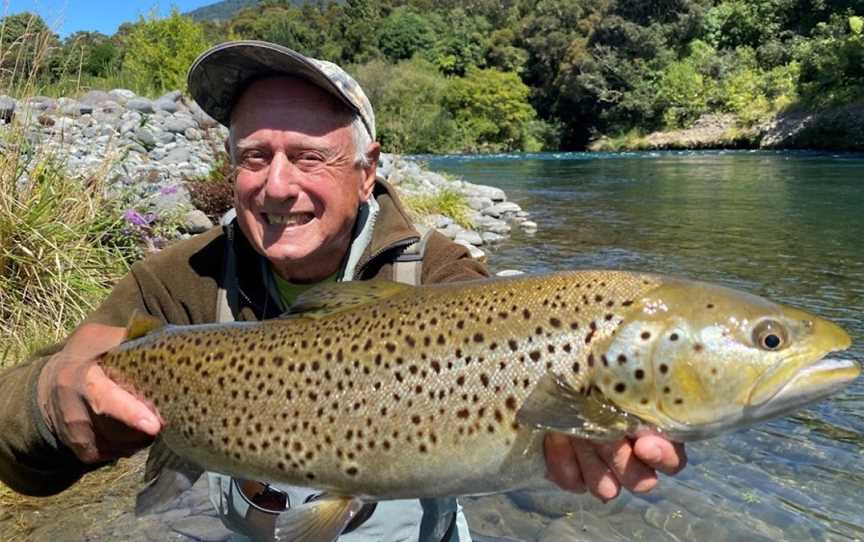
{"x":309,"y":210}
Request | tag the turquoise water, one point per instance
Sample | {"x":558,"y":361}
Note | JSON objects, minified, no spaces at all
{"x":785,"y":225}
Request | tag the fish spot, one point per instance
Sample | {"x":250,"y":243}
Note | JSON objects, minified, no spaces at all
{"x":622,"y":359}
{"x":463,"y":413}
{"x":555,"y":322}
{"x":664,"y":368}
{"x":679,"y":401}
{"x":620,"y":387}
{"x":576,"y":367}
{"x":351,"y":471}
{"x":673,"y":337}
{"x":591,"y":360}
{"x":639,"y":374}
{"x":698,"y":348}
{"x":526,"y":314}
{"x":478,"y":337}
{"x":510,"y":403}
{"x":645,"y":335}
{"x":484,"y":378}
{"x":534,"y":355}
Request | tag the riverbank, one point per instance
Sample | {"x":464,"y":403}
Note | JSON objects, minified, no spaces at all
{"x":94,"y":183}
{"x":836,"y":129}
{"x":155,"y":154}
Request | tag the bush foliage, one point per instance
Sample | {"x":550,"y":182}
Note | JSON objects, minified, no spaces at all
{"x":485,"y":75}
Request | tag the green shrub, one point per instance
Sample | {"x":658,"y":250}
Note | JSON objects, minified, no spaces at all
{"x":160,"y":51}
{"x":492,"y":111}
{"x":683,"y":93}
{"x":409,"y":106}
{"x":832,"y":62}
{"x":444,"y":202}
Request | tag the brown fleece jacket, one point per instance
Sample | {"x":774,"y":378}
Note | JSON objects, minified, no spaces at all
{"x":179,"y":285}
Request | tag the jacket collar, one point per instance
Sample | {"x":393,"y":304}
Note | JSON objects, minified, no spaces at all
{"x":377,"y":234}
{"x":393,"y":229}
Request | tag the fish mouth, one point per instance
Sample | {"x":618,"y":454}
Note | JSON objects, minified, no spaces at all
{"x":812,"y":382}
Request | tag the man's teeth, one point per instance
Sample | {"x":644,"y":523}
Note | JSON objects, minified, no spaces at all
{"x":287,"y":220}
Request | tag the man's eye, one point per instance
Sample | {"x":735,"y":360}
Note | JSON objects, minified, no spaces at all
{"x":309,"y":158}
{"x":251,"y":159}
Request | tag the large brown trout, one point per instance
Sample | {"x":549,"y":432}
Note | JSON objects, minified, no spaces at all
{"x":375,"y":391}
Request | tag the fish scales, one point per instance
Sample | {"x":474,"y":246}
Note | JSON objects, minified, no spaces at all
{"x":381,"y":399}
{"x":414,"y":392}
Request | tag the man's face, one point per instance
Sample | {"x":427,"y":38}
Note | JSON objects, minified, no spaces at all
{"x":297,"y":188}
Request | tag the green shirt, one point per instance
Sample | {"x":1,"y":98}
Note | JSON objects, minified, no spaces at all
{"x":289,"y":291}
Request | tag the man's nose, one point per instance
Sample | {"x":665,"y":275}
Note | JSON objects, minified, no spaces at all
{"x":281,"y":178}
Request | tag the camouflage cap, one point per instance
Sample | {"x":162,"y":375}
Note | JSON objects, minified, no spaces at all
{"x":217,"y":77}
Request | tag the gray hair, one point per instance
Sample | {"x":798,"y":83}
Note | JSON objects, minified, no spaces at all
{"x":359,"y":137}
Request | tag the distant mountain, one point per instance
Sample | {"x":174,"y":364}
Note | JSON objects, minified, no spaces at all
{"x":220,"y":11}
{"x":224,"y":10}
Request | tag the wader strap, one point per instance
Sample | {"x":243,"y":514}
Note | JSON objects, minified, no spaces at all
{"x":228,"y":295}
{"x":408,"y":266}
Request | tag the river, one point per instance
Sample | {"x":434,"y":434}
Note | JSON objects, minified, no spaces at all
{"x":789,"y":226}
{"x":785,"y":225}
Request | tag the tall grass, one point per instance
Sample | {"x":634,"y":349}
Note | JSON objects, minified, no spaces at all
{"x":61,"y":240}
{"x":446,"y":202}
{"x":61,"y":249}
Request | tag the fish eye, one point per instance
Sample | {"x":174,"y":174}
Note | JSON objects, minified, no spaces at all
{"x":769,"y":335}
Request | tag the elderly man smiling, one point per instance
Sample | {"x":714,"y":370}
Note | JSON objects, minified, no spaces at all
{"x":309,"y":210}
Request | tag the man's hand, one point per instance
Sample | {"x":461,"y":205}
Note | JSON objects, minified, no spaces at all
{"x":92,"y":415}
{"x":604,"y":467}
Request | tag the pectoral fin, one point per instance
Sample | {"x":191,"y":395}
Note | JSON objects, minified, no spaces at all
{"x":322,"y":520}
{"x":168,"y":476}
{"x":555,"y":405}
{"x":141,"y":323}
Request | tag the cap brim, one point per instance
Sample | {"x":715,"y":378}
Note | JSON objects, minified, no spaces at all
{"x":218,"y":76}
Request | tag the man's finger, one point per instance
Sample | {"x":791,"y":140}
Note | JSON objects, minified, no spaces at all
{"x":661,"y":454}
{"x":633,"y":474}
{"x":599,"y":479}
{"x":106,"y":398}
{"x":562,"y":467}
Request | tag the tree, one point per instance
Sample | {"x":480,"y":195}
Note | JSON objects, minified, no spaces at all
{"x":26,"y":48}
{"x":95,"y":53}
{"x":409,"y":106}
{"x":404,"y":32}
{"x":491,"y":109}
{"x":159,"y":51}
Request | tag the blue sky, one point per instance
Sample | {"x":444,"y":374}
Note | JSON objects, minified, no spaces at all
{"x":68,"y":16}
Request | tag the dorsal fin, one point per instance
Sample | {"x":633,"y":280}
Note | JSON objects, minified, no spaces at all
{"x":141,"y":323}
{"x":337,"y":297}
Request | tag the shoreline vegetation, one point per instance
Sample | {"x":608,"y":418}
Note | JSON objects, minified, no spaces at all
{"x":486,"y":76}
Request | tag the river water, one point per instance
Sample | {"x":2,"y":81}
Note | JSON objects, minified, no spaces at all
{"x":785,"y":225}
{"x":789,"y":226}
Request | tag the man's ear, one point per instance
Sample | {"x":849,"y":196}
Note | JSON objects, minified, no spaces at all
{"x":372,"y":153}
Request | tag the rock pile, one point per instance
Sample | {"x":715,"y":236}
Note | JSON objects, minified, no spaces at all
{"x":490,"y":213}
{"x":147,"y":150}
